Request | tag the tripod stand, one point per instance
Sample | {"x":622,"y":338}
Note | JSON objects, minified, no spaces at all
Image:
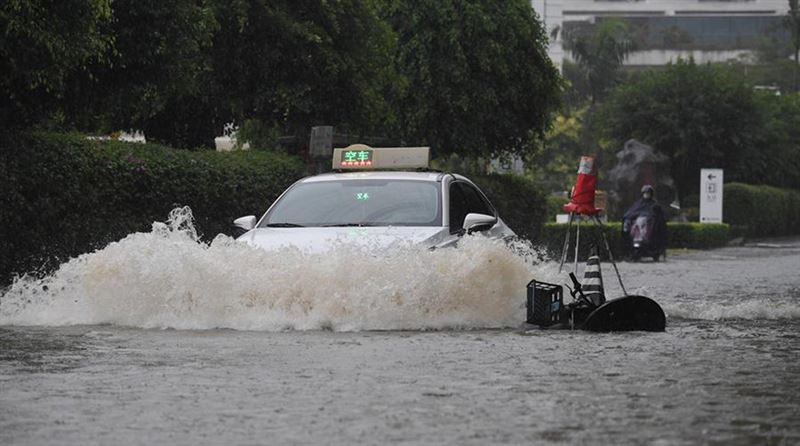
{"x":596,"y":219}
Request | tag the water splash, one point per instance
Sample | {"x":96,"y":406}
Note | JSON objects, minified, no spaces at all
{"x":168,"y":279}
{"x":765,"y":308}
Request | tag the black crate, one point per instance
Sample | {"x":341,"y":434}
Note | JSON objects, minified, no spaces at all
{"x":545,"y":301}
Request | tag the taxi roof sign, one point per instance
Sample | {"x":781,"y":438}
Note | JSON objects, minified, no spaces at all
{"x":361,"y":156}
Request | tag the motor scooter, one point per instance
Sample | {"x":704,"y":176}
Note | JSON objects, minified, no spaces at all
{"x":643,"y":237}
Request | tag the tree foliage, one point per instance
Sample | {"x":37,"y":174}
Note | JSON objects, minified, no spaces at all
{"x":43,"y":43}
{"x":556,"y":162}
{"x":468,"y":76}
{"x":775,"y":159}
{"x":295,"y":64}
{"x":793,"y":23}
{"x":476,"y":76}
{"x":705,"y":116}
{"x":157,"y":75}
{"x":599,"y":52}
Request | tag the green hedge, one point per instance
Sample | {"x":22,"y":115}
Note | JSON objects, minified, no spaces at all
{"x":553,"y":234}
{"x":63,"y":195}
{"x":555,"y":205}
{"x":521,"y":204}
{"x":762,"y":210}
{"x":698,"y":235}
{"x":679,"y":235}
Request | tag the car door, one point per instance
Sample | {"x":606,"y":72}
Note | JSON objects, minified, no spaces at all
{"x":458,"y":207}
{"x":466,"y":199}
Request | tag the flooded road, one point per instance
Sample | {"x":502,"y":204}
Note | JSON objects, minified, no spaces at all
{"x":726,"y":371}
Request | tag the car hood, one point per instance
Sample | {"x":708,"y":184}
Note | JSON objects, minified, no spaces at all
{"x":324,"y":239}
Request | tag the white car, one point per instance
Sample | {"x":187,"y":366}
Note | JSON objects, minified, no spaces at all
{"x":375,"y":208}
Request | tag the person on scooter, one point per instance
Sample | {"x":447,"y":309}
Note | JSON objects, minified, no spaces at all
{"x":644,"y":226}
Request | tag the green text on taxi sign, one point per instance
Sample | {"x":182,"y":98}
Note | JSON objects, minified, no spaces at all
{"x":357,"y":158}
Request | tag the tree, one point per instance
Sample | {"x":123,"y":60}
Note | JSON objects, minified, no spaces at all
{"x":793,"y":23}
{"x":293,"y":64}
{"x":44,"y":43}
{"x":556,"y":162}
{"x":181,"y":70}
{"x":599,"y":52}
{"x":476,"y":78}
{"x":699,"y":115}
{"x":776,"y":159}
{"x":156,"y":77}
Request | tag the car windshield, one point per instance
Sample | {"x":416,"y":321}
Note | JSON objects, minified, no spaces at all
{"x":358,"y":203}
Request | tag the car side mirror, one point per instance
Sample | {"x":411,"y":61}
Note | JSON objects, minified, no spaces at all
{"x":246,"y":223}
{"x":473,"y":222}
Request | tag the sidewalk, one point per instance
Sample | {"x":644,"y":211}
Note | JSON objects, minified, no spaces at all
{"x":773,"y":242}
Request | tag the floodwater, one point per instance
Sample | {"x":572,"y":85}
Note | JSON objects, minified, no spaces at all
{"x":161,"y":339}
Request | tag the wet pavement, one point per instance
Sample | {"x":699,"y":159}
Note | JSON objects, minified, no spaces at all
{"x":726,"y":371}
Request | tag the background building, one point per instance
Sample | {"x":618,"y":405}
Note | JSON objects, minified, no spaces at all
{"x":708,"y":30}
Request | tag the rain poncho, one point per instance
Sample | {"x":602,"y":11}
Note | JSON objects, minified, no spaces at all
{"x":647,"y":207}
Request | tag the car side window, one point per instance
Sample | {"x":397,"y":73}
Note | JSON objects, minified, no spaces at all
{"x":458,"y":208}
{"x":475,"y":201}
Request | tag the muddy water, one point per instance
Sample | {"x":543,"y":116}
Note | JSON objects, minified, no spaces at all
{"x":160,"y":339}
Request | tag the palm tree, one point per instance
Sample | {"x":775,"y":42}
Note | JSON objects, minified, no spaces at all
{"x":600,"y":54}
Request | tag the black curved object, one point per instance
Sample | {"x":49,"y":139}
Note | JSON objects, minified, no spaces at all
{"x":629,"y":313}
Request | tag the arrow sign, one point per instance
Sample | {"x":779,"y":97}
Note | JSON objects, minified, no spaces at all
{"x":711,"y":195}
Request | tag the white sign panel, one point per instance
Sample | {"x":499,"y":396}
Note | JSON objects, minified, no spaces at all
{"x":321,"y":143}
{"x":711,"y":196}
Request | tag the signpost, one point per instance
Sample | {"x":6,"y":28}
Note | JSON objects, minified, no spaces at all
{"x":711,"y":195}
{"x":321,"y":144}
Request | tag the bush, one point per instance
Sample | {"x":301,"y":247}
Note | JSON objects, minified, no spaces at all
{"x":520,"y":203}
{"x":64,"y":195}
{"x":762,"y":210}
{"x":697,"y":235}
{"x":554,"y":206}
{"x":679,"y":235}
{"x":553,"y":234}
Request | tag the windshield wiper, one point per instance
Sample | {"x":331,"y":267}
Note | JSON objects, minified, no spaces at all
{"x":284,"y":225}
{"x":338,"y":225}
